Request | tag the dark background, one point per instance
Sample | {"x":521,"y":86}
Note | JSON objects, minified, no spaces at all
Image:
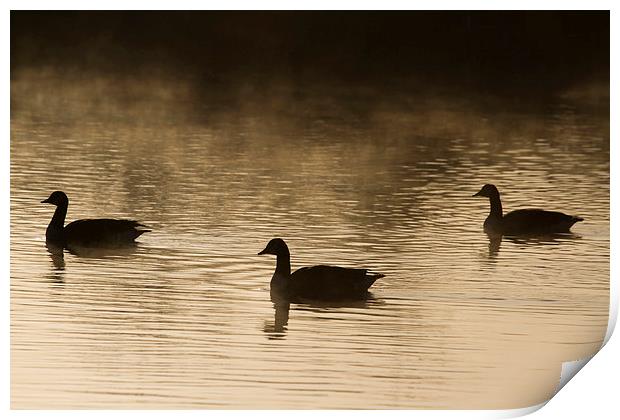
{"x":486,"y":51}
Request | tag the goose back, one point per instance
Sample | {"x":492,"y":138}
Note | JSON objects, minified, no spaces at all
{"x":329,"y":282}
{"x":524,"y":221}
{"x":98,"y":231}
{"x":537,"y":221}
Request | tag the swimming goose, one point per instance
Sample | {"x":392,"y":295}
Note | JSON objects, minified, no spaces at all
{"x":524,"y":221}
{"x":321,"y":282}
{"x":88,"y":232}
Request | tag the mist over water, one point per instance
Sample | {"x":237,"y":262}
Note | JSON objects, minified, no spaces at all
{"x":362,"y":173}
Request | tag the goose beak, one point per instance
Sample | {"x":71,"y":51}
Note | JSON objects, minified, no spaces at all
{"x":47,"y":200}
{"x":264,"y":251}
{"x":477,"y":194}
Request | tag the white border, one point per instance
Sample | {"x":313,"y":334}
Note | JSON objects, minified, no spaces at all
{"x":593,"y":392}
{"x":311,"y":5}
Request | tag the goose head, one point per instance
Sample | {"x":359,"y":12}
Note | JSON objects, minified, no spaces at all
{"x":488,"y":190}
{"x":275,"y":246}
{"x":57,"y":198}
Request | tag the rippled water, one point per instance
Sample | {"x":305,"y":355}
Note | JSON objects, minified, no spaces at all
{"x":185,"y":319}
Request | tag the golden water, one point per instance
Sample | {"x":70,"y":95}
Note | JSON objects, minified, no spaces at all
{"x":185,"y":320}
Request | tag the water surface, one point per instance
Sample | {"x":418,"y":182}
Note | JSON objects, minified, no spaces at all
{"x":184,"y":320}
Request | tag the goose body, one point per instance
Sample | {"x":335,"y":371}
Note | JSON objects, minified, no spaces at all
{"x":321,"y":282}
{"x":88,"y":232}
{"x":524,"y":221}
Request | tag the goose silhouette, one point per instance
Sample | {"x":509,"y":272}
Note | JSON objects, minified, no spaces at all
{"x":88,"y":232}
{"x":524,"y":221}
{"x":321,"y":282}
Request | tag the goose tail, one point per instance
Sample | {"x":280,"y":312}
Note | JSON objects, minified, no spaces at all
{"x":371,"y":278}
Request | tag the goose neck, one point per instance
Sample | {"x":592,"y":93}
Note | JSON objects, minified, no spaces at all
{"x":496,"y":207}
{"x":283,"y":264}
{"x":58,"y":220}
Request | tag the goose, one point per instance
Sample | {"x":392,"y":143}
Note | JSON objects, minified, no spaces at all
{"x":88,"y":232}
{"x":525,"y":221}
{"x":321,"y":282}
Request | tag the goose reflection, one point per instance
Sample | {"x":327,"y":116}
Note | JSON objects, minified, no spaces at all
{"x":551,"y":239}
{"x":495,"y":241}
{"x":57,"y":257}
{"x":548,"y":239}
{"x":278,"y":328}
{"x":99,"y":252}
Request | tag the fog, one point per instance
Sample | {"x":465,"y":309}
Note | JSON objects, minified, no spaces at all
{"x":482,"y":51}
